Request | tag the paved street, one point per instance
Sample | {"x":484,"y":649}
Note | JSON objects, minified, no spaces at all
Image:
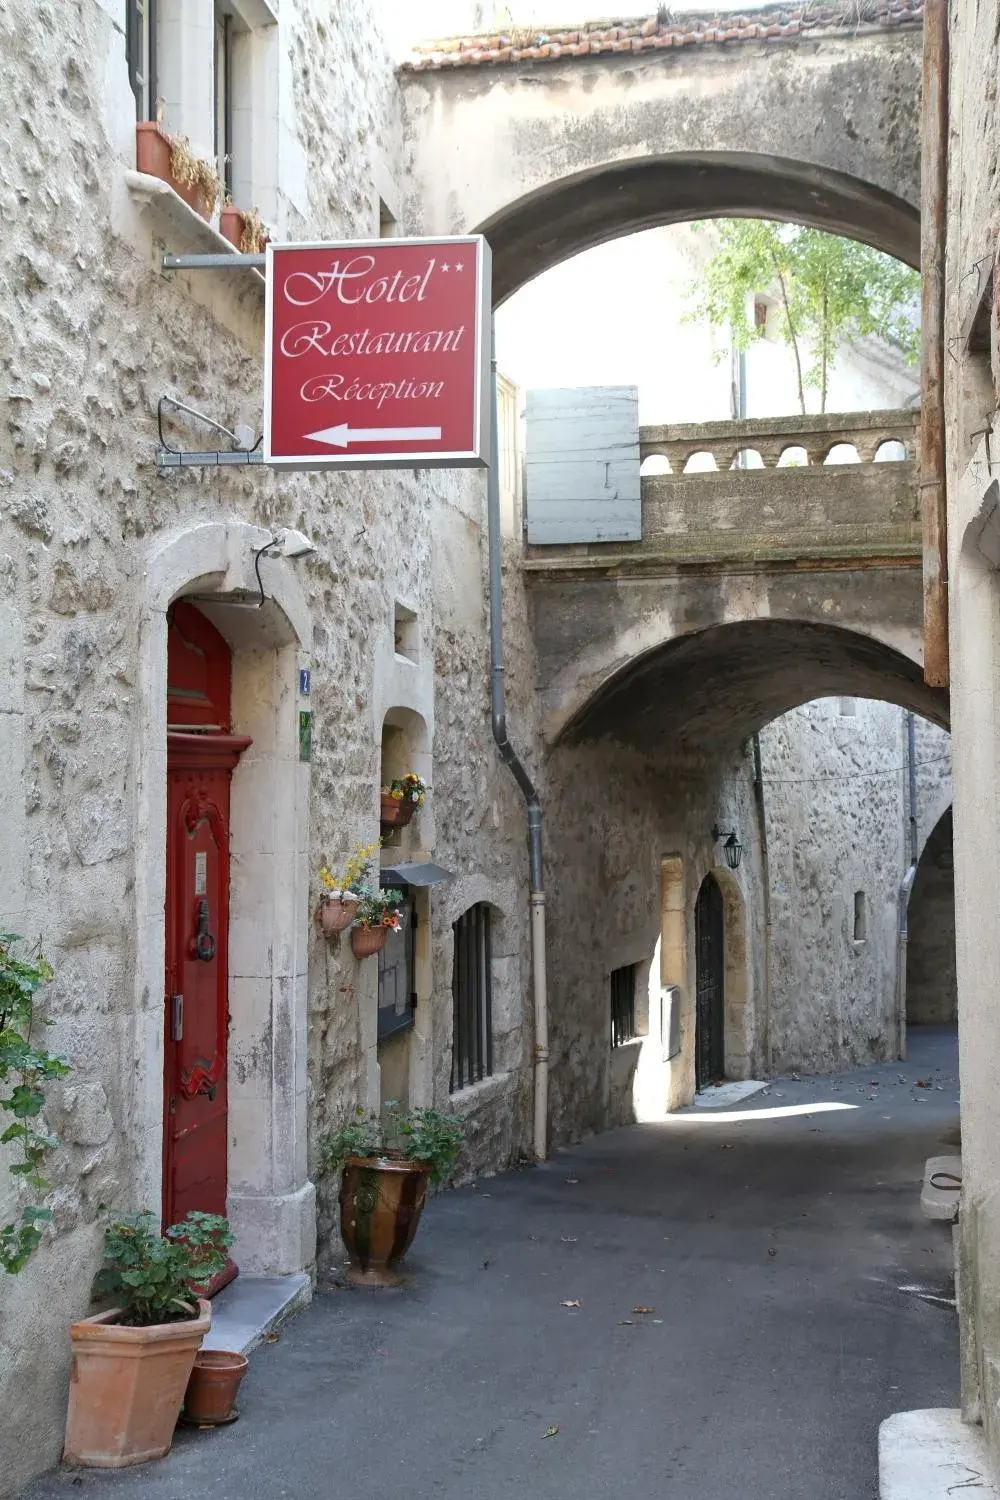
{"x":755,"y":1294}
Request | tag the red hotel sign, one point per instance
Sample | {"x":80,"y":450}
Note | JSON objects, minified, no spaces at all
{"x":377,"y":354}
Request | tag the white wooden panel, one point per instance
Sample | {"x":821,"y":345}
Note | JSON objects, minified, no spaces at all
{"x":582,"y":465}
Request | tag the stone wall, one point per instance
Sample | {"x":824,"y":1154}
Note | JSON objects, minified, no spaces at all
{"x":972,"y":421}
{"x":838,"y":825}
{"x":93,"y":546}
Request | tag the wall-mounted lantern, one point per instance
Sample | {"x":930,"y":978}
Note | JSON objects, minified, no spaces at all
{"x":732,"y":848}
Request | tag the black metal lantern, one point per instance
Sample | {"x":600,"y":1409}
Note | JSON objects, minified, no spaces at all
{"x":733,"y":851}
{"x":732,"y":848}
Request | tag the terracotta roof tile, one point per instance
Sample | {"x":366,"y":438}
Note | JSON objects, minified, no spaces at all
{"x":647,"y":34}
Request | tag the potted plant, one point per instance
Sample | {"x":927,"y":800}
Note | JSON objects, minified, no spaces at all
{"x":377,"y":915}
{"x":170,"y":158}
{"x":386,"y":1166}
{"x":210,"y":1398}
{"x":132,"y":1363}
{"x":401,"y":798}
{"x":243,"y":228}
{"x":343,"y":890}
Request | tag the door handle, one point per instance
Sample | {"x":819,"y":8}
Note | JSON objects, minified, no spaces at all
{"x":204,"y":942}
{"x":176,"y":1017}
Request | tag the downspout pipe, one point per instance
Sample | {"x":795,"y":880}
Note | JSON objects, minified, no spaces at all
{"x":906,"y":884}
{"x":511,"y":759}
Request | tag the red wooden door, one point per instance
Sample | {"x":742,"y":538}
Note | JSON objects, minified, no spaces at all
{"x":201,"y":755}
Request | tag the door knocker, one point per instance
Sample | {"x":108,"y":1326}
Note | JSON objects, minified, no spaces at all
{"x":204,"y":942}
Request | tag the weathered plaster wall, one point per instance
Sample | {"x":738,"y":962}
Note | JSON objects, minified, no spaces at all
{"x":677,"y":135}
{"x":973,"y":151}
{"x":614,"y":816}
{"x":834,"y":785}
{"x":91,"y":335}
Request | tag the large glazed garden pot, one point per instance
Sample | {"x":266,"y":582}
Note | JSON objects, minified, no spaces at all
{"x":126,"y":1387}
{"x":381,"y":1200}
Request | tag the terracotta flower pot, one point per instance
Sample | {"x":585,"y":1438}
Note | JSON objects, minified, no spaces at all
{"x":127,"y":1386}
{"x":152,"y":155}
{"x":231,"y":223}
{"x":368,"y":940}
{"x":396,"y":814}
{"x":210,"y":1399}
{"x":381,"y":1201}
{"x":334,"y":914}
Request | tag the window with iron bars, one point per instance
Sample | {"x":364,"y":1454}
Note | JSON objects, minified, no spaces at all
{"x":140,"y":51}
{"x":623,"y":1028}
{"x":472,"y":998}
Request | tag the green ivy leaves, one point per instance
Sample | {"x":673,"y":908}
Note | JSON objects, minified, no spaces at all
{"x":25,"y":1069}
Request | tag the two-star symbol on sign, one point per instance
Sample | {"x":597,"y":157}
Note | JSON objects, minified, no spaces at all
{"x":456,"y":267}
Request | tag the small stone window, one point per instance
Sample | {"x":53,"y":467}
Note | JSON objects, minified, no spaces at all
{"x":860,"y":917}
{"x":406,"y":632}
{"x":623,"y":1020}
{"x":760,"y":315}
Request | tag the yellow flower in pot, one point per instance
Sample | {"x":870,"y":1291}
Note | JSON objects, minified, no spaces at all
{"x":377,"y":915}
{"x":342,"y":890}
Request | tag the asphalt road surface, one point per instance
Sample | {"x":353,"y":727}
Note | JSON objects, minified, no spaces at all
{"x":722,"y":1307}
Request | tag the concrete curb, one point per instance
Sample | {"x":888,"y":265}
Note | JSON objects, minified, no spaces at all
{"x":932,"y":1455}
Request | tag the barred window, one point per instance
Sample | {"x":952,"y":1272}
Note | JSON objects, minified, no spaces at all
{"x":140,"y":51}
{"x":623,"y":1027}
{"x":472,"y":999}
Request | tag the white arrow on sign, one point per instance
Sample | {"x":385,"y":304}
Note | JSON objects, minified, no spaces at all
{"x":343,"y":436}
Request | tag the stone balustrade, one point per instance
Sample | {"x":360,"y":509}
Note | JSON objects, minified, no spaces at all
{"x":770,"y":437}
{"x":810,"y":512}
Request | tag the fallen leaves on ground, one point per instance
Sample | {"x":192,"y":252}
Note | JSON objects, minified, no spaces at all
{"x":571,"y":1302}
{"x":625,"y":1323}
{"x":550,"y":1432}
{"x":568,"y":1239}
{"x":644,"y":1309}
{"x":572,"y":1181}
{"x":273,"y":1338}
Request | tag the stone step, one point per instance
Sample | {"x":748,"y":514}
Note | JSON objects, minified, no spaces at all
{"x":941,"y":1202}
{"x":932,"y":1455}
{"x":251,"y":1307}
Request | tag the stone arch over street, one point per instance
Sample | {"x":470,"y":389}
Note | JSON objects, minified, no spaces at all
{"x":717,"y":685}
{"x":822,"y":131}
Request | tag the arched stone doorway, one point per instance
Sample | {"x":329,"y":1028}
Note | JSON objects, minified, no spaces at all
{"x":710,"y":984}
{"x":931,"y":984}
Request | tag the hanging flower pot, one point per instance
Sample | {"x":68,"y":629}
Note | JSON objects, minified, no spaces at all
{"x":243,"y":228}
{"x":401,"y":798}
{"x":336,"y":912}
{"x":394,"y":812}
{"x":368,"y":940}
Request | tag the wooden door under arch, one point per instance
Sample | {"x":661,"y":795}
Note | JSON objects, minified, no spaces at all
{"x":202,"y":753}
{"x":710,"y":1002}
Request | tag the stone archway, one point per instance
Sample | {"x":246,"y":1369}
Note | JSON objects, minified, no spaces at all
{"x":826,"y":134}
{"x":931,"y":982}
{"x":271,"y":1202}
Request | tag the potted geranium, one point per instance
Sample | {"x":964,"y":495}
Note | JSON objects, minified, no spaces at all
{"x":377,"y":915}
{"x":131,"y":1364}
{"x":343,"y":890}
{"x":401,"y":798}
{"x":387,"y":1164}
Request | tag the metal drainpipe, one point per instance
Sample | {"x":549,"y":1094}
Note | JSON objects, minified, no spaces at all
{"x":510,"y":758}
{"x":906,"y":884}
{"x":765,"y":868}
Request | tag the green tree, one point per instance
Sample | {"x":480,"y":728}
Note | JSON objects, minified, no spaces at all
{"x":829,"y":289}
